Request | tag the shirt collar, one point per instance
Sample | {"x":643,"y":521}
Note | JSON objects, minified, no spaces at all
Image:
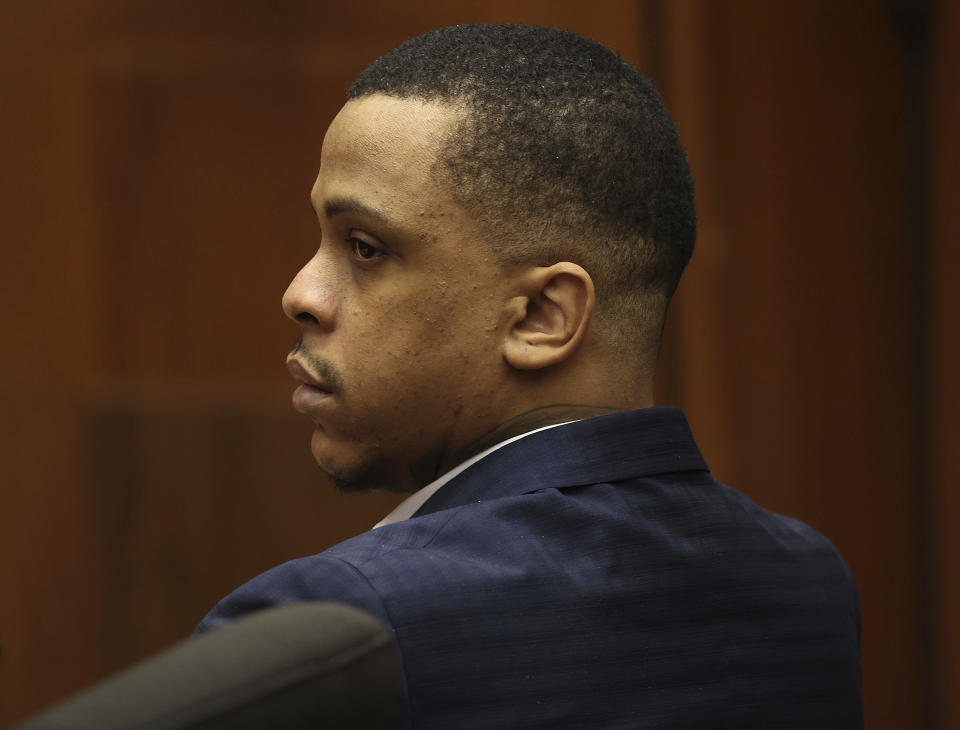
{"x":408,"y":507}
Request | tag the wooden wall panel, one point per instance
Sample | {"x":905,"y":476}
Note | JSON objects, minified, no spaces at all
{"x":48,"y":569}
{"x":793,"y":332}
{"x":945,"y":278}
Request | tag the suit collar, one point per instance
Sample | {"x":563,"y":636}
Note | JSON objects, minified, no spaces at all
{"x":609,"y":448}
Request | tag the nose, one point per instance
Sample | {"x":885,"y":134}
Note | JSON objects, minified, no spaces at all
{"x":310,"y":299}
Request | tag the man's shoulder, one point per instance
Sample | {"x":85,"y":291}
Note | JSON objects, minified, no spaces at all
{"x":363,"y":571}
{"x":577,"y":533}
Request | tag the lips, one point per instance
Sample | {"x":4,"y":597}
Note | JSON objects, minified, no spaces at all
{"x":300,"y":373}
{"x":311,"y":393}
{"x":308,"y":398}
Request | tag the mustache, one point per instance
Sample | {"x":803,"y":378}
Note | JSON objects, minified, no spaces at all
{"x":323,"y":370}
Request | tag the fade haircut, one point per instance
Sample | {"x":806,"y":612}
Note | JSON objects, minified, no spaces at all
{"x":564,"y":153}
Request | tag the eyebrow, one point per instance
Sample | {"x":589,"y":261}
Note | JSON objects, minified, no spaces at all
{"x":339,"y":206}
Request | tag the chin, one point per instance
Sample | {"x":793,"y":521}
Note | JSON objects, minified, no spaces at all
{"x":354,"y":472}
{"x":365,"y":482}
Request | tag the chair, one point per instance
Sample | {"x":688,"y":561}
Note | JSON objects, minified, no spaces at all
{"x":304,"y":665}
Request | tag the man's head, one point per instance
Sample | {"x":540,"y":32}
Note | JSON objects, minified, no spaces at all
{"x":484,"y":192}
{"x":565,"y":152}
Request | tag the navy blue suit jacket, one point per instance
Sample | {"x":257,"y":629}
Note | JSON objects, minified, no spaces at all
{"x":595,"y":575}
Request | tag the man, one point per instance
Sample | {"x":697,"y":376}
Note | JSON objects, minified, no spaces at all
{"x":504,"y":215}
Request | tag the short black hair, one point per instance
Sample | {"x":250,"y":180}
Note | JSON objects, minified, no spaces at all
{"x":566,"y":152}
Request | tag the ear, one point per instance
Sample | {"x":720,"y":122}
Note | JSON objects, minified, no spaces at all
{"x":552,"y":316}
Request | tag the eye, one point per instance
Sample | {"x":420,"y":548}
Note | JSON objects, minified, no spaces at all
{"x":364,"y":250}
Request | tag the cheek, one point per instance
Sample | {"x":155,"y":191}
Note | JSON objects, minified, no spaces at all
{"x":391,"y":371}
{"x":420,"y":351}
{"x":403,"y":329}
